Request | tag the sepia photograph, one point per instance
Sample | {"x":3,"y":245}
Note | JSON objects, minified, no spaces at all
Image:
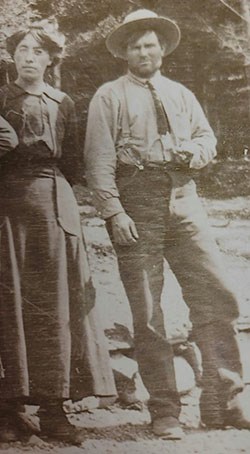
{"x":125,"y":226}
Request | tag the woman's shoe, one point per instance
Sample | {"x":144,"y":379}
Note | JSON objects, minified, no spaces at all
{"x":15,"y":424}
{"x":13,"y":428}
{"x":9,"y":432}
{"x":55,"y":424}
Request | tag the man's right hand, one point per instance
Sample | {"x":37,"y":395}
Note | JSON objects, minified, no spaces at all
{"x":123,"y":229}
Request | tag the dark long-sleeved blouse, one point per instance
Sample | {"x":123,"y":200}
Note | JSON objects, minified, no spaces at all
{"x":62,"y":125}
{"x":51,"y":142}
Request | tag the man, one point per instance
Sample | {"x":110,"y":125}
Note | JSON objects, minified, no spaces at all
{"x":145,"y":133}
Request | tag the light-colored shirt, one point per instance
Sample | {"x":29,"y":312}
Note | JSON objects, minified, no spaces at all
{"x":122,"y":127}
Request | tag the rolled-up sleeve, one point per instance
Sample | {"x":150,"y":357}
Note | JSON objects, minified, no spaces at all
{"x":203,"y":138}
{"x":100,"y":154}
{"x":8,"y":137}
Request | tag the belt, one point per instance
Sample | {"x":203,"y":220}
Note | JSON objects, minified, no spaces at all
{"x":161,"y":166}
{"x":164,"y":165}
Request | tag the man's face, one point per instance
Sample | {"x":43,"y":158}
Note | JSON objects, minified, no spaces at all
{"x":144,"y":55}
{"x":31,"y":59}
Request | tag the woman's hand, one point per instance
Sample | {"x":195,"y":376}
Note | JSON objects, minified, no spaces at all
{"x":124,"y":229}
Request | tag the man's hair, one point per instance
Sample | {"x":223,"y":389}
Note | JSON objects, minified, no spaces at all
{"x":45,"y":40}
{"x":137,"y":35}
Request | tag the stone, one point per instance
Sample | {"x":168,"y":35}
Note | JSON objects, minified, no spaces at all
{"x":34,"y":440}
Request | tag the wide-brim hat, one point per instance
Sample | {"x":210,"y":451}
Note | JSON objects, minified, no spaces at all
{"x":143,"y":19}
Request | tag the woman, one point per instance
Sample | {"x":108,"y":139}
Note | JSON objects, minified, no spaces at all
{"x":51,"y":344}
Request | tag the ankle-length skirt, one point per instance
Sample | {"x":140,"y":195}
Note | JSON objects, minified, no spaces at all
{"x":52,"y":344}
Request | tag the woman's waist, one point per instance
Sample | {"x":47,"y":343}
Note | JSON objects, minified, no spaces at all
{"x":28,"y":158}
{"x":29,"y":169}
{"x":32,"y":183}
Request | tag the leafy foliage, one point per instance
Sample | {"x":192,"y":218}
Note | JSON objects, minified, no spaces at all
{"x":13,"y":15}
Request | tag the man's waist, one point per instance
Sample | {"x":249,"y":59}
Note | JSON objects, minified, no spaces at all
{"x":138,"y":152}
{"x":152,"y":166}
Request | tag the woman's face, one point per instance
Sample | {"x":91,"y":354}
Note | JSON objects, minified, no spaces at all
{"x":31,"y":59}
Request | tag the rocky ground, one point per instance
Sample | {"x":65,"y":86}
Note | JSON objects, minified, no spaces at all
{"x":124,"y":429}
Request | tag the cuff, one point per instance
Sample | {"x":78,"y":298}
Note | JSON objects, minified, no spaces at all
{"x":196,"y":161}
{"x":111,"y":207}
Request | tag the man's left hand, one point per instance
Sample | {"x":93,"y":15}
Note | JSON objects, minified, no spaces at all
{"x":183,"y":157}
{"x":185,"y":152}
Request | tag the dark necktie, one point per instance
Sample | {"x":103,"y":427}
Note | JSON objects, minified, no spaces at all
{"x":161,"y":117}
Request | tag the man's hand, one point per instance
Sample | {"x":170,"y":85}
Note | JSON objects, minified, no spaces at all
{"x":124,"y":229}
{"x":183,"y":156}
{"x":185,"y":152}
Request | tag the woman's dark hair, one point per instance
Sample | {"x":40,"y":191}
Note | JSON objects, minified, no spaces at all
{"x":46,"y":41}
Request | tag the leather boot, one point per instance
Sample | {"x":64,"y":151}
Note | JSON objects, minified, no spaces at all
{"x":15,"y":425}
{"x":168,"y":428}
{"x":54,"y":424}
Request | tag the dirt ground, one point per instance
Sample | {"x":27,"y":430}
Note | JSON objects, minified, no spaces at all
{"x":117,"y":430}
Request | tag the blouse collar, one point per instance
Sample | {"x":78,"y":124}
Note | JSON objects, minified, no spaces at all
{"x":16,"y":91}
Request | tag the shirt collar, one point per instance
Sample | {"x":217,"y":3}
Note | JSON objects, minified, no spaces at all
{"x":141,"y":81}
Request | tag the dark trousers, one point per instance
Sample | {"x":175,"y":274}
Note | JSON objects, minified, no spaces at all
{"x":172,"y":224}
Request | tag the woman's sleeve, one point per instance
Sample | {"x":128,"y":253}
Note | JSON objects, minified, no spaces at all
{"x":70,"y":164}
{"x":8,"y":137}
